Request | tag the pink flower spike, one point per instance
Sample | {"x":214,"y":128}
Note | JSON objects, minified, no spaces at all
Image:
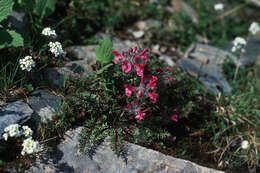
{"x":126,"y":66}
{"x":170,"y":79}
{"x":174,"y":117}
{"x":140,"y":115}
{"x":129,"y":89}
{"x":143,"y":52}
{"x":153,"y":96}
{"x":139,"y":69}
{"x":118,"y":56}
{"x":134,"y":50}
{"x":152,"y":82}
{"x":130,"y":50}
{"x":169,"y":68}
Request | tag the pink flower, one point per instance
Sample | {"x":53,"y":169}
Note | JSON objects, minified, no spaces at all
{"x":152,"y":82}
{"x":139,"y":69}
{"x":118,"y":56}
{"x":174,"y":117}
{"x":153,"y":96}
{"x":129,"y":89}
{"x":139,"y":93}
{"x":126,"y":66}
{"x":140,"y":115}
{"x":170,"y":79}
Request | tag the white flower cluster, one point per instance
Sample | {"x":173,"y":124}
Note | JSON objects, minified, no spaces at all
{"x":244,"y":144}
{"x":29,"y":146}
{"x":254,"y":28}
{"x":48,"y":32}
{"x":27,"y":63}
{"x":219,"y":7}
{"x":56,"y":48}
{"x":239,"y":45}
{"x":12,"y":131}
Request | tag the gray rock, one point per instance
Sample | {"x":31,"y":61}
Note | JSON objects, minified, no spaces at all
{"x":57,"y":76}
{"x":209,"y":54}
{"x":209,"y":74}
{"x":67,"y":158}
{"x":44,"y":105}
{"x":145,"y":25}
{"x":83,"y":52}
{"x":179,"y":5}
{"x":252,"y":52}
{"x":88,"y":52}
{"x":255,"y":2}
{"x":19,"y":22}
{"x":14,"y":113}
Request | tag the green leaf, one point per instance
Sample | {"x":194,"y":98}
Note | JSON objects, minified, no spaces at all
{"x":104,"y":68}
{"x":103,"y":51}
{"x":6,"y":7}
{"x":10,"y":38}
{"x":44,"y":8}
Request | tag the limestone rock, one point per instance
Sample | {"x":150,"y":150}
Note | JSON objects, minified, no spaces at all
{"x":44,"y":104}
{"x":67,"y":159}
{"x":14,"y":113}
{"x":209,"y":74}
{"x":56,"y":76}
{"x":180,"y":5}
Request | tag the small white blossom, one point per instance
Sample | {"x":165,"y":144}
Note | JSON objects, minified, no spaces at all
{"x":219,"y":7}
{"x":30,"y":146}
{"x":56,"y":48}
{"x":12,"y":131}
{"x":48,"y":32}
{"x":254,"y":28}
{"x":5,"y":135}
{"x":244,"y":144}
{"x":27,"y":131}
{"x":27,"y":63}
{"x":239,"y":45}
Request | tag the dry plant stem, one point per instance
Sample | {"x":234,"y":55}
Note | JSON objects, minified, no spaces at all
{"x":47,"y":140}
{"x":237,"y":69}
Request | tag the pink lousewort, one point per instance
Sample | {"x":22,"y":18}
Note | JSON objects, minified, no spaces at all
{"x":118,"y":56}
{"x":153,"y":97}
{"x":139,"y":69}
{"x":129,"y":89}
{"x":126,"y":66}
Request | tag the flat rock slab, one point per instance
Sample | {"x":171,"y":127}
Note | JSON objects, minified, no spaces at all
{"x":57,"y":76}
{"x":208,"y":74}
{"x":88,"y":52}
{"x":14,"y":113}
{"x":67,"y":159}
{"x":44,"y":105}
{"x":208,"y":54}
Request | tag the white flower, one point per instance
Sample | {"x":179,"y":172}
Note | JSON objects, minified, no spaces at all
{"x":5,"y":135}
{"x":239,"y":44}
{"x":27,"y":131}
{"x":30,"y":146}
{"x":56,"y":48}
{"x":254,"y":28}
{"x":48,"y":32}
{"x":27,"y":63}
{"x":244,"y":144}
{"x":219,"y":7}
{"x":12,"y":131}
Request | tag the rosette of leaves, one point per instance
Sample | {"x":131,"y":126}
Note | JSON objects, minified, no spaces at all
{"x":8,"y":37}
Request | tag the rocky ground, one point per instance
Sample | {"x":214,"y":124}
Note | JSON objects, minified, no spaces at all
{"x":201,"y":60}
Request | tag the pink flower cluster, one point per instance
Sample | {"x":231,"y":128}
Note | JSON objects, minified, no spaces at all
{"x":135,"y":63}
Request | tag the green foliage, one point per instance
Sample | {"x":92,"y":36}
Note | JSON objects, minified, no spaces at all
{"x":103,"y":51}
{"x":6,"y":7}
{"x":10,"y":38}
{"x":43,"y":8}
